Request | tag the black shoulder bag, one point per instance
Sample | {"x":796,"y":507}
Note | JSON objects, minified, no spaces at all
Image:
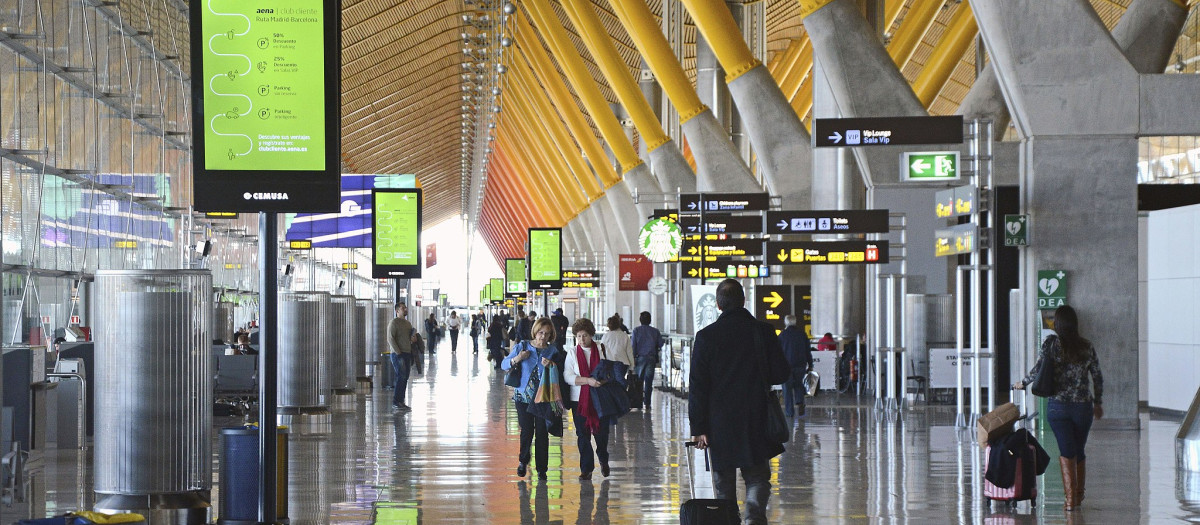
{"x":1044,"y":384}
{"x":513,"y":378}
{"x":777,"y":425}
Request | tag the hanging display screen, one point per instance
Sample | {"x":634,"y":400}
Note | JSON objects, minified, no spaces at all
{"x":396,"y":244}
{"x":266,"y":105}
{"x":497,"y":289}
{"x":545,"y":258}
{"x":514,"y":277}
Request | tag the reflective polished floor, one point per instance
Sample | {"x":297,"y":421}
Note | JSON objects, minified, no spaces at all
{"x":452,"y":460}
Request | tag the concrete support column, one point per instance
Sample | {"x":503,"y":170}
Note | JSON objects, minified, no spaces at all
{"x":710,"y":84}
{"x":1075,"y":98}
{"x":838,"y":292}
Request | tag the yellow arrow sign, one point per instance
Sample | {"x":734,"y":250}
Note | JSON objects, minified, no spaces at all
{"x":774,"y":299}
{"x":692,"y":272}
{"x":783,"y":256}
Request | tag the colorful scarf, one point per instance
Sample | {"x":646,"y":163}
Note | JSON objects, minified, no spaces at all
{"x":585,"y":394}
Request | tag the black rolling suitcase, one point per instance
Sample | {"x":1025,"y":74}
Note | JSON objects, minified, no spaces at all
{"x":698,"y":511}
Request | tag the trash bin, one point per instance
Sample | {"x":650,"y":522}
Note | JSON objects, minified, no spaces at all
{"x":238,"y":503}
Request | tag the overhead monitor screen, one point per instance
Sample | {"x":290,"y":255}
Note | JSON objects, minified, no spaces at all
{"x":397,"y":234}
{"x":266,"y":105}
{"x":545,"y":258}
{"x":497,"y":289}
{"x":514,"y":277}
{"x":350,"y":227}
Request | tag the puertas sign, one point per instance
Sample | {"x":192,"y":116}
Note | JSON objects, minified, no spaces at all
{"x":828,"y":252}
{"x":396,"y":234}
{"x":887,"y":131}
{"x":1051,"y":289}
{"x":266,"y":106}
{"x":827,"y":221}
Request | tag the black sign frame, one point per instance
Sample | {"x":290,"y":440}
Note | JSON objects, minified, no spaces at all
{"x":287,"y":191}
{"x":396,"y":271}
{"x":694,"y":203}
{"x":543,"y":284}
{"x":733,"y":224}
{"x":827,"y":247}
{"x":825,"y":221}
{"x":764,"y":311}
{"x":902,"y":131}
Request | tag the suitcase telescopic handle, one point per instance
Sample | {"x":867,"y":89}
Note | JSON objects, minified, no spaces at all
{"x":707,"y":468}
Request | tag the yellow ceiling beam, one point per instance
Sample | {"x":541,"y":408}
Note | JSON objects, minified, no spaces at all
{"x":957,"y":38}
{"x":600,"y":44}
{"x":535,"y":103}
{"x":912,"y":30}
{"x":538,"y":61}
{"x":782,"y":63}
{"x":534,"y":183}
{"x":640,"y":23}
{"x":538,"y":141}
{"x":714,"y":20}
{"x":585,"y":86}
{"x":804,"y":63}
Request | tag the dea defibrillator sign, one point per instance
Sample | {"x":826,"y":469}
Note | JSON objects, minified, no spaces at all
{"x":660,"y":240}
{"x":1051,"y":289}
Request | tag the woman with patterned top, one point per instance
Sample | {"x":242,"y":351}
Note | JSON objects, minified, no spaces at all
{"x":1070,"y":411}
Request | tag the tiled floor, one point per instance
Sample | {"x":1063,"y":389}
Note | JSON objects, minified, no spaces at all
{"x":452,"y":460}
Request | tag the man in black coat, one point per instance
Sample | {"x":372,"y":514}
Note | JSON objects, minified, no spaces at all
{"x":561,"y":326}
{"x":727,"y":399}
{"x":798,"y":353}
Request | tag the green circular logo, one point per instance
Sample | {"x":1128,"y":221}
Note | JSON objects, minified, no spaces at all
{"x":660,"y":240}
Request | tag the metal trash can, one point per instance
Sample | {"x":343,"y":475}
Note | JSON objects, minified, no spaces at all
{"x":377,"y":346}
{"x":362,"y":338}
{"x":153,"y":385}
{"x":223,"y":323}
{"x":238,"y":502}
{"x":340,"y":325}
{"x":303,"y":380}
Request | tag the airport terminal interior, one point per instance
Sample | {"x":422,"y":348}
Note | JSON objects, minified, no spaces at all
{"x":210,"y":210}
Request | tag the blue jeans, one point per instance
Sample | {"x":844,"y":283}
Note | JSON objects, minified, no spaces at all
{"x":758,"y":490}
{"x":1071,"y":423}
{"x":401,"y":364}
{"x":793,"y":394}
{"x":644,"y":368}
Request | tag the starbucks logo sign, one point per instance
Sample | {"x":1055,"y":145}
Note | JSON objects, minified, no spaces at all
{"x":660,"y":240}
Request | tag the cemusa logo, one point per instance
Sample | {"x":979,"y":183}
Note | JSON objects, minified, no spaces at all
{"x":265,"y":196}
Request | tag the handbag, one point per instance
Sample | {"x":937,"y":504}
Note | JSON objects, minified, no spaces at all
{"x":513,"y":377}
{"x":1044,"y":384}
{"x":778,"y":430}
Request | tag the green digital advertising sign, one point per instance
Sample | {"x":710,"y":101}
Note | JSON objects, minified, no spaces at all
{"x":497,"y":289}
{"x":514,"y":277}
{"x":266,"y":105}
{"x":396,"y":221}
{"x":545,"y":258}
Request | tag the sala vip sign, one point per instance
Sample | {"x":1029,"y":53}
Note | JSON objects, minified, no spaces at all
{"x":1051,"y":289}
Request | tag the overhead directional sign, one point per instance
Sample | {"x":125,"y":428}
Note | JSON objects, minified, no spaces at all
{"x":725,"y":248}
{"x":887,"y":131}
{"x":955,"y":240}
{"x":721,"y":223}
{"x":718,"y":202}
{"x":580,"y":274}
{"x":929,"y":166}
{"x":722,"y":268}
{"x":827,"y":252}
{"x":772,"y":304}
{"x":581,"y":283}
{"x":955,"y":202}
{"x":827,"y":221}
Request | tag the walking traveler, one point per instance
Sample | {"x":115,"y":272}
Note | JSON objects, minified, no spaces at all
{"x":477,"y":326}
{"x":400,"y":336}
{"x":1074,"y":405}
{"x":734,"y":360}
{"x":454,"y":323}
{"x":431,"y":332}
{"x":562,"y":324}
{"x":588,"y":425}
{"x":798,"y":353}
{"x":646,"y":341}
{"x":495,"y":340}
{"x":617,"y":344}
{"x":532,"y":356}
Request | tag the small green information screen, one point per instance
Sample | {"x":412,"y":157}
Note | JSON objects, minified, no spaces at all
{"x":397,"y":233}
{"x":497,"y":289}
{"x":514,"y":277}
{"x":266,"y":113}
{"x":545,"y":258}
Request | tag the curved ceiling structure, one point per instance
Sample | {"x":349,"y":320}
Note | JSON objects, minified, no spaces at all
{"x":405,"y":95}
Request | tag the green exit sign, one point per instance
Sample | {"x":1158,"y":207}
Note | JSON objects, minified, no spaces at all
{"x":929,"y":165}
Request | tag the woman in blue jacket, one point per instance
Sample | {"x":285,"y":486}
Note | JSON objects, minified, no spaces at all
{"x":532,"y":357}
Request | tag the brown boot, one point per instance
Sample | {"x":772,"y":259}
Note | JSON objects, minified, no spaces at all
{"x":1068,"y":475}
{"x":1080,"y":480}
